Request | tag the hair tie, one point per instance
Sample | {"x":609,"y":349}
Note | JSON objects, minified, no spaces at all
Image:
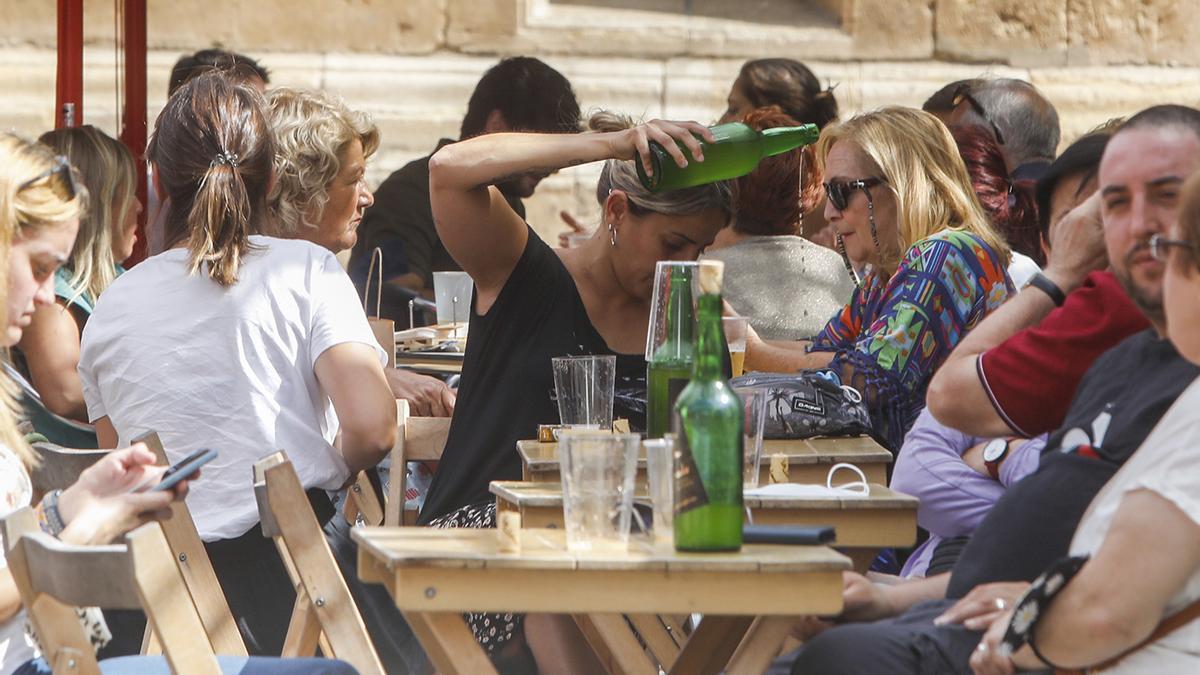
{"x":227,"y":158}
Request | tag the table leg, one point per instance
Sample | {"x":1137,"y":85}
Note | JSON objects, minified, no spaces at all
{"x":711,"y":645}
{"x":761,"y":645}
{"x":656,"y":636}
{"x":449,"y":643}
{"x":861,"y":558}
{"x":615,"y":644}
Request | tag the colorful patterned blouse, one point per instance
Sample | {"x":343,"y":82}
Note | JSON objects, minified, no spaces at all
{"x":896,"y":332}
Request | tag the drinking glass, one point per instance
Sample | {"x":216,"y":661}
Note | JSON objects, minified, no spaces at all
{"x":735,"y":334}
{"x":660,"y":474}
{"x":598,"y":469}
{"x":754,"y":405}
{"x":584,"y":387}
{"x":667,"y":272}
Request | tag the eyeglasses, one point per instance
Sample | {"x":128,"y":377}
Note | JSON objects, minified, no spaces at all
{"x":1160,"y":247}
{"x":964,"y":95}
{"x":61,"y":166}
{"x":840,"y":192}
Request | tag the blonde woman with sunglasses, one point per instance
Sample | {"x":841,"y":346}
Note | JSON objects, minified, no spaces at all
{"x":901,"y":201}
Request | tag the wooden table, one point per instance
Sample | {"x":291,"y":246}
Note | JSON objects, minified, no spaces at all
{"x":749,"y":598}
{"x":430,"y":363}
{"x":882,"y":520}
{"x":808,"y":460}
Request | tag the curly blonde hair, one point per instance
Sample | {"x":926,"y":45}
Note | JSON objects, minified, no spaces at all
{"x":312,"y":130}
{"x":32,"y":196}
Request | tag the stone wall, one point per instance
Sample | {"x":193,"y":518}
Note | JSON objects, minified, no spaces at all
{"x":413,"y":63}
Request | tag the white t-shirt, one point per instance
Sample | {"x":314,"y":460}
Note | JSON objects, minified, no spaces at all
{"x":15,"y":492}
{"x":226,"y":368}
{"x":1167,"y":463}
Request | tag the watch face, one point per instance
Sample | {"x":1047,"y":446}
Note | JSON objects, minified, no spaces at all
{"x":995,"y":449}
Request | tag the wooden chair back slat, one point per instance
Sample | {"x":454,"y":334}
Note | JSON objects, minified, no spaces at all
{"x":198,"y":575}
{"x":55,"y":622}
{"x":59,"y":467}
{"x":418,"y":439}
{"x":321,"y":585}
{"x":51,"y":576}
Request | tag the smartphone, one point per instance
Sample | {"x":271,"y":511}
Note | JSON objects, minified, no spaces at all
{"x":185,"y":469}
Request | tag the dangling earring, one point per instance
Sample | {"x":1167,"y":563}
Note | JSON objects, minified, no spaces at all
{"x":612,"y":234}
{"x":841,"y":247}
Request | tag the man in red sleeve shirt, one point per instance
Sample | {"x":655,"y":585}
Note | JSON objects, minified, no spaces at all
{"x":1016,"y":373}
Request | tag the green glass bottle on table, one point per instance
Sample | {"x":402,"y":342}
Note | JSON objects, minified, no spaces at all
{"x":669,"y":362}
{"x":737,"y":150}
{"x":707,"y":423}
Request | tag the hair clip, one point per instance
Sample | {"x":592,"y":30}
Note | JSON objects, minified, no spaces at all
{"x":227,"y":158}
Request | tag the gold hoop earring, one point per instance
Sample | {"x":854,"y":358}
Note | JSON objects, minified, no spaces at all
{"x":612,"y":234}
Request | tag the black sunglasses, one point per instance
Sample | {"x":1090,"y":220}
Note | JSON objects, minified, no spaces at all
{"x":840,"y":192}
{"x":964,"y":94}
{"x":1160,"y":247}
{"x":61,"y":166}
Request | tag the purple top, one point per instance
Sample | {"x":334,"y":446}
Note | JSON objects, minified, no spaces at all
{"x":954,"y":497}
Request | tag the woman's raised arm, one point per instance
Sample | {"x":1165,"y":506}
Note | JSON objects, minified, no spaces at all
{"x":474,"y":222}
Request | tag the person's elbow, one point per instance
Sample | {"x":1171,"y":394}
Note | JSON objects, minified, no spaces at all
{"x":366,"y":442}
{"x":940,"y":399}
{"x":445,"y":164}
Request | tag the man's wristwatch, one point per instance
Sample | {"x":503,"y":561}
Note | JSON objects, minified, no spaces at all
{"x":1044,"y":284}
{"x":994,"y":453}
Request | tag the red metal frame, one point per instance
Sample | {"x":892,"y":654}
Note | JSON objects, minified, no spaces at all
{"x":68,"y":100}
{"x":133,"y":117}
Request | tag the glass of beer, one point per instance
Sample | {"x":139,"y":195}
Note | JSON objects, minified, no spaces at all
{"x":736,"y":328}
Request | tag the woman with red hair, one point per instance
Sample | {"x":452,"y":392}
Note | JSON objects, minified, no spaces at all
{"x":1009,"y":204}
{"x":786,"y":286}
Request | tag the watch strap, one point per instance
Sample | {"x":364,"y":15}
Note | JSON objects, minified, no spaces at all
{"x":49,"y":518}
{"x":1044,"y":284}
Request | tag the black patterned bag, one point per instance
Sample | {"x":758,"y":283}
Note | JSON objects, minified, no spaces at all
{"x":807,"y":404}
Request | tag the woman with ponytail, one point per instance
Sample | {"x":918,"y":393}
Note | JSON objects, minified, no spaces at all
{"x":238,"y":342}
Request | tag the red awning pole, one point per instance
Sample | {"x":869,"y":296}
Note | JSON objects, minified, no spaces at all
{"x":69,"y":84}
{"x":133,"y":117}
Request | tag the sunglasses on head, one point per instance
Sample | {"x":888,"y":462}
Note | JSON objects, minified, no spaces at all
{"x":964,"y":95}
{"x":61,"y":166}
{"x":840,"y":192}
{"x":1160,"y":247}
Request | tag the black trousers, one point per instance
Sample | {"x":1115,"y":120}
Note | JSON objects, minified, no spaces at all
{"x":909,"y":643}
{"x":261,"y":596}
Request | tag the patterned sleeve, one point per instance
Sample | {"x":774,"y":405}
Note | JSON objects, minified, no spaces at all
{"x":941,"y":287}
{"x":842,"y":329}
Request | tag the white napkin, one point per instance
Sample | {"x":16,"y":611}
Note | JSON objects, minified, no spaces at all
{"x":858,"y":489}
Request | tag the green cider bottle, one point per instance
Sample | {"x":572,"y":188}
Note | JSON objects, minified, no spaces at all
{"x":708,"y":422}
{"x":669,"y":365}
{"x":737,"y":150}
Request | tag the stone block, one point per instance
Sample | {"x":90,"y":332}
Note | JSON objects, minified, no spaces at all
{"x":412,"y":26}
{"x":1017,"y":32}
{"x":473,"y":26}
{"x":889,"y":29}
{"x":1133,"y":32}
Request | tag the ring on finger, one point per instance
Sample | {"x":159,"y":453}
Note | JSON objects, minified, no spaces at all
{"x":1000,"y":604}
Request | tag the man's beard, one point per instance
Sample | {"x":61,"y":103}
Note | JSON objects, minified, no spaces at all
{"x":1151,"y":304}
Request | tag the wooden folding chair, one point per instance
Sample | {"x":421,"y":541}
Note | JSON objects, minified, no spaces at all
{"x":324,"y":607}
{"x":199,"y":578}
{"x":52,"y":577}
{"x":418,"y":439}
